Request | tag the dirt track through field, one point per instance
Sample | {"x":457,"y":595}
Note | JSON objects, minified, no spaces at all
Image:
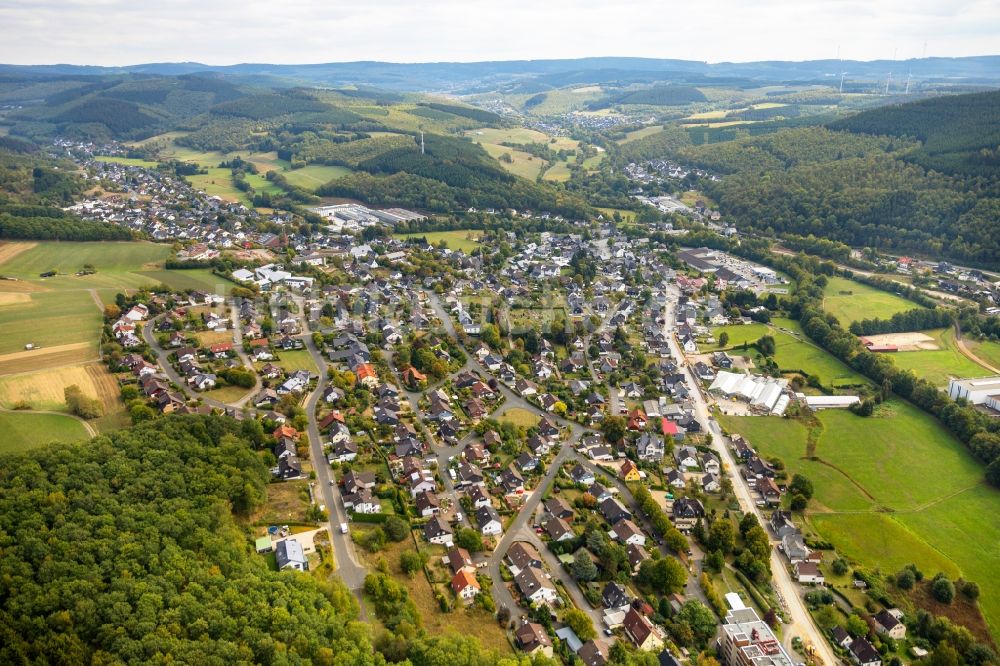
{"x":968,"y":352}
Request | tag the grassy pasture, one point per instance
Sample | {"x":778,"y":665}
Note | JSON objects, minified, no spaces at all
{"x":298,"y":359}
{"x":312,"y":176}
{"x":128,"y":161}
{"x":738,"y":334}
{"x":558,"y":172}
{"x":792,"y":353}
{"x":464,"y":240}
{"x":65,"y":257}
{"x":851,"y":301}
{"x":879,"y":539}
{"x":987,"y":350}
{"x":873,"y":497}
{"x":523,"y":164}
{"x":969,"y":537}
{"x":202,"y":279}
{"x":893,"y":455}
{"x":640,"y":133}
{"x":24,"y":431}
{"x":941,"y":365}
{"x":50,"y":319}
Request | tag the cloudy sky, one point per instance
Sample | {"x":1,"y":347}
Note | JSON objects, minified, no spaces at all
{"x":218,"y":32}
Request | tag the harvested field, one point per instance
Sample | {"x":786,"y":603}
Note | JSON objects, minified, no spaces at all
{"x":905,"y":341}
{"x":46,"y":357}
{"x":10,"y":250}
{"x":43,"y":389}
{"x":13,"y":298}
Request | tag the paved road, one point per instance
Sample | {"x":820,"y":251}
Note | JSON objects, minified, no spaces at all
{"x":234,"y":315}
{"x":161,"y":358}
{"x":516,"y":530}
{"x":801,"y":622}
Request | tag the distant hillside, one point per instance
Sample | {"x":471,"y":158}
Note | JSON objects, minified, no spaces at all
{"x":120,"y":107}
{"x":858,"y":188}
{"x":533,"y":76}
{"x":660,"y":96}
{"x":960,"y":133}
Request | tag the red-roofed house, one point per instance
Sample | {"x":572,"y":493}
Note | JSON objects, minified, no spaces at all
{"x":464,"y":585}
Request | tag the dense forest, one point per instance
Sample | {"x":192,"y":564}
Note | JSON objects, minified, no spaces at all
{"x":960,"y":133}
{"x":663,"y":95}
{"x":854,"y":188}
{"x":130,"y":549}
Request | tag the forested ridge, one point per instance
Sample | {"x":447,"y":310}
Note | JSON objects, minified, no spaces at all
{"x":858,"y":189}
{"x":960,"y":133}
{"x":125,"y":550}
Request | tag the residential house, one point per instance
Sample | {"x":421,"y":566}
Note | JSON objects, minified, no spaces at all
{"x":559,"y":530}
{"x":888,"y":623}
{"x":536,"y":586}
{"x":531,"y":638}
{"x":629,"y":471}
{"x":289,"y":555}
{"x":458,"y":559}
{"x":428,"y":504}
{"x":650,"y":447}
{"x":439,"y":532}
{"x":558,"y":508}
{"x":686,"y":456}
{"x":794,"y":547}
{"x":615,"y":596}
{"x":643,"y":633}
{"x":522,"y":555}
{"x":581,"y":474}
{"x":863,"y":653}
{"x":594,"y":653}
{"x":464,"y":585}
{"x":636,"y":556}
{"x":686,"y":512}
{"x":628,"y":533}
{"x":488,"y":521}
{"x":808,"y":573}
{"x":613,"y":511}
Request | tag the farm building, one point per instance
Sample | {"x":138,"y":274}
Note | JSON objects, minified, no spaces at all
{"x":765,"y":394}
{"x":976,"y":391}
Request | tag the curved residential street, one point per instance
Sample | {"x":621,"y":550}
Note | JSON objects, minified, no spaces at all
{"x":351,"y":567}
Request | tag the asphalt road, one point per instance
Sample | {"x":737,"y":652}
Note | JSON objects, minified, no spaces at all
{"x":801,"y":622}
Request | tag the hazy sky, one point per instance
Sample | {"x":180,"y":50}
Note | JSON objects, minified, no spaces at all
{"x":119,"y":32}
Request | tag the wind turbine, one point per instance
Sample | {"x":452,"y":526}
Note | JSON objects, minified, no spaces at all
{"x":842,"y":75}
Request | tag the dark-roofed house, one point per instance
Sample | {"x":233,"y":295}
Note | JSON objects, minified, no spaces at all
{"x":643,"y":633}
{"x":289,"y":555}
{"x":614,"y":596}
{"x":522,"y":555}
{"x":488,"y":521}
{"x":613,"y":511}
{"x":558,"y":508}
{"x":628,"y":533}
{"x":531,"y":638}
{"x":458,"y":559}
{"x":686,"y":512}
{"x":437,"y":531}
{"x":864,"y":653}
{"x":536,"y":586}
{"x":559,"y":530}
{"x":889,"y":625}
{"x":593,"y":653}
